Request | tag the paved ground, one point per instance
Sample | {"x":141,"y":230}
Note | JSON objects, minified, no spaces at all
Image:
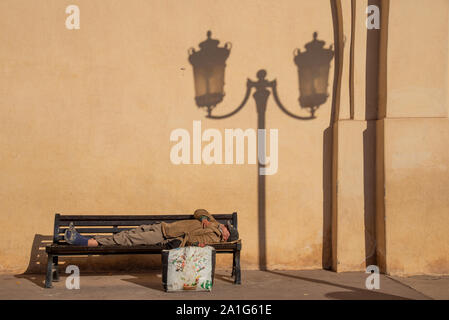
{"x":269,"y":285}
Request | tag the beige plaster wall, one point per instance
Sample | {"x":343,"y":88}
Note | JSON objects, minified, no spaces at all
{"x":413,"y":220}
{"x":86,"y":115}
{"x":416,"y":223}
{"x":418,"y":59}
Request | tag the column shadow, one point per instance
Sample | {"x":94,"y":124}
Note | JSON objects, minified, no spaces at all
{"x":353,"y":293}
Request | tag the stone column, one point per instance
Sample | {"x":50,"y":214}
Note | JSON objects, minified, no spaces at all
{"x":354,"y":141}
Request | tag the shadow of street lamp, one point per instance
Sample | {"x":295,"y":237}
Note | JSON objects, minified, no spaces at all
{"x":209,"y":65}
{"x":313,"y":73}
{"x":208,"y":72}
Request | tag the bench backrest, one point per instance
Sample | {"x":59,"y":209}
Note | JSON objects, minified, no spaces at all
{"x":111,"y":224}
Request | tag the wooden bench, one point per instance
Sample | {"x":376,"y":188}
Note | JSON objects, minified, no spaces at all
{"x":111,"y":224}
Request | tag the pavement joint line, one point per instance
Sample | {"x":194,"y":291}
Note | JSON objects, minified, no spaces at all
{"x":409,"y":286}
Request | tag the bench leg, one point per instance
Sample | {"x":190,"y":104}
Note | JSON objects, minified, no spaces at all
{"x":55,"y":268}
{"x":49,"y":277}
{"x":236,"y":267}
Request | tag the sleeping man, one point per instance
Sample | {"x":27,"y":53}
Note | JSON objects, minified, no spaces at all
{"x":202,"y":230}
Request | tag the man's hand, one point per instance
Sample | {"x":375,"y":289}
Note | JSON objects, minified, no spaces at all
{"x":206,"y":223}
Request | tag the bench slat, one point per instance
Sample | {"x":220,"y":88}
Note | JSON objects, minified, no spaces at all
{"x":130,"y":223}
{"x":96,"y":230}
{"x":82,"y":250}
{"x":100,"y":218}
{"x":133,"y":223}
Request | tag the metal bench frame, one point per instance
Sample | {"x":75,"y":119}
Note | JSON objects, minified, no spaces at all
{"x":111,"y":224}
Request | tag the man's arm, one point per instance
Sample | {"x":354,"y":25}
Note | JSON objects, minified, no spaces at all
{"x":204,"y":239}
{"x":202,"y":215}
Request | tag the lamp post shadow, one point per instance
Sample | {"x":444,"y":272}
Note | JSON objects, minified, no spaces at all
{"x":313,"y":69}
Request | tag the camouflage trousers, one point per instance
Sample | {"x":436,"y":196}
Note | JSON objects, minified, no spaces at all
{"x":142,"y":235}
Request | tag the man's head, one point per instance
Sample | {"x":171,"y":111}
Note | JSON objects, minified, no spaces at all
{"x":228,"y":232}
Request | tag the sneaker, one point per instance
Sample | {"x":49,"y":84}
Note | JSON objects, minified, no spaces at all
{"x":70,"y":234}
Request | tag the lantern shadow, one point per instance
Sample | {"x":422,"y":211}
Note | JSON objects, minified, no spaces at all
{"x":313,"y":73}
{"x":209,"y":65}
